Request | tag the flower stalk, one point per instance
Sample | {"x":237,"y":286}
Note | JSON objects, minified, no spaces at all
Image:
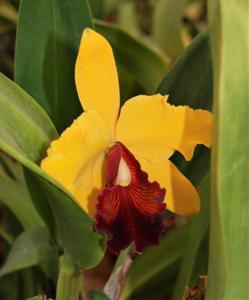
{"x":70,"y":280}
{"x":123,"y":275}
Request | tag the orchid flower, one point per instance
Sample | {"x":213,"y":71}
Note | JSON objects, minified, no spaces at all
{"x":116,"y":163}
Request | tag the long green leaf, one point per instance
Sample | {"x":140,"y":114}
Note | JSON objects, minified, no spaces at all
{"x":101,"y":9}
{"x":30,"y":248}
{"x":17,"y":111}
{"x":197,"y":230}
{"x":40,"y":297}
{"x":189,"y":82}
{"x":74,"y":225}
{"x":127,"y":11}
{"x":167,"y":25}
{"x":144,"y":64}
{"x":23,"y":124}
{"x":70,"y":280}
{"x":47,"y":42}
{"x":228,"y":275}
{"x":7,"y":292}
{"x":38,"y":195}
{"x":97,"y":8}
{"x":14,"y":193}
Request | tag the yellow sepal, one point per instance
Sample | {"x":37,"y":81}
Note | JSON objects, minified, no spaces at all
{"x":96,"y":78}
{"x":154,"y":129}
{"x":76,"y":158}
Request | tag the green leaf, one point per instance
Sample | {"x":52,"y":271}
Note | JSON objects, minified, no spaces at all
{"x":110,"y":6}
{"x":98,"y":295}
{"x":102,"y":9}
{"x":30,"y":248}
{"x":74,"y":225}
{"x":40,"y":297}
{"x":197,"y":230}
{"x":146,"y":65}
{"x":167,"y":25}
{"x":7,"y":292}
{"x":228,"y":276}
{"x":189,"y":82}
{"x":14,"y":192}
{"x":155,"y":264}
{"x":10,"y":224}
{"x":23,"y":124}
{"x":47,"y":42}
{"x":127,"y":11}
{"x":26,"y":128}
{"x":32,"y":282}
{"x":70,"y":280}
{"x":38,"y":195}
{"x":97,"y":8}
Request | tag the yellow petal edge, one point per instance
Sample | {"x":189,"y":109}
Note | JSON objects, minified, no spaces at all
{"x":96,"y":77}
{"x":154,"y":129}
{"x":76,"y":158}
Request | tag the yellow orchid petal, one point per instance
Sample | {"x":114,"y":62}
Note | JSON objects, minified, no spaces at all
{"x":87,"y":195}
{"x":154,"y":129}
{"x":181,"y":196}
{"x":96,"y":77}
{"x":75,"y":159}
{"x":197,"y":128}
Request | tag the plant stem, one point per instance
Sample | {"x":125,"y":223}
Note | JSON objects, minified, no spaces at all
{"x":70,"y":280}
{"x":122,"y":276}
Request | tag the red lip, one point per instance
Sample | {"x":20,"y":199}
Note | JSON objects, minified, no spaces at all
{"x":132,"y":213}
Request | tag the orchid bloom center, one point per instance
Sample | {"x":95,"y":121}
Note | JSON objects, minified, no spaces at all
{"x":130,"y":208}
{"x":124,"y":174}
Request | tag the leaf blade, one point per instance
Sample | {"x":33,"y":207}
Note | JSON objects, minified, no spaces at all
{"x":75,"y":228}
{"x":47,"y":72}
{"x":30,"y":248}
{"x":15,"y":195}
{"x":167,"y":23}
{"x":197,"y":230}
{"x":228,"y":264}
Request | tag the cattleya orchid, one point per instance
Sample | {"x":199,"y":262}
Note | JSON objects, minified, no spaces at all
{"x":116,"y":164}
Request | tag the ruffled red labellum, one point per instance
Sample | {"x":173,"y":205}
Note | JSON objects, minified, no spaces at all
{"x":130,"y":208}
